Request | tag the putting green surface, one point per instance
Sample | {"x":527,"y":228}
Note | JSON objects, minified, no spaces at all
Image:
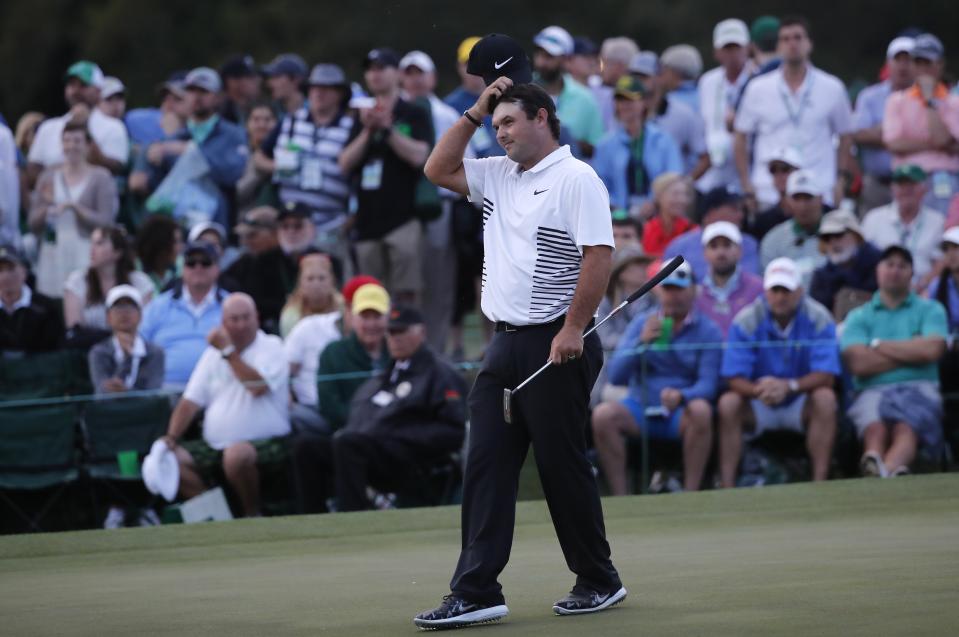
{"x":860,"y":557}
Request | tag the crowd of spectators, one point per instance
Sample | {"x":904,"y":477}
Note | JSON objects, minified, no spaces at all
{"x":263,"y":227}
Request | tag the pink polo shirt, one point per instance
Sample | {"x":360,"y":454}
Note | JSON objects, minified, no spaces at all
{"x":905,"y":118}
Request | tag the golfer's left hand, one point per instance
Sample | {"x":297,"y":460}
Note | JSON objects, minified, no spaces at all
{"x":567,"y":346}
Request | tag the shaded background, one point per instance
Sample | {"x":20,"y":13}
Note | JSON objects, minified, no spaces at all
{"x":142,"y":41}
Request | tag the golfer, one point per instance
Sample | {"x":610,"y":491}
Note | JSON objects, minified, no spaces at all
{"x":548,"y":236}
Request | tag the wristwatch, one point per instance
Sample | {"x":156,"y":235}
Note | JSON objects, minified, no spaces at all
{"x":227,"y":351}
{"x":874,"y":343}
{"x":793,"y":386}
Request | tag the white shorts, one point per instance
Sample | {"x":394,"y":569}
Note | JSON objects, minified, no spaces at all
{"x":785,"y":418}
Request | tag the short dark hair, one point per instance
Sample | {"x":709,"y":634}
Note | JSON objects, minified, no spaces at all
{"x":793,"y":20}
{"x":74,"y":126}
{"x":531,"y":98}
{"x":627,"y":221}
{"x":897,"y":251}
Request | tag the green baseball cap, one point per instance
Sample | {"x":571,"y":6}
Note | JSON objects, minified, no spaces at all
{"x":909,"y":172}
{"x":630,"y":88}
{"x":764,"y":32}
{"x":87,"y":72}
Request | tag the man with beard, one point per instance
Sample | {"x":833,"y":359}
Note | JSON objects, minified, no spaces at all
{"x":726,"y":288}
{"x":848,"y":279}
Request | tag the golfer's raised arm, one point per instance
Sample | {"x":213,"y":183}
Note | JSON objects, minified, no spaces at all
{"x":444,"y":167}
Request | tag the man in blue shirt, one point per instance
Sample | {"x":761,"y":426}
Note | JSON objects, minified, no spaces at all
{"x":671,"y":383}
{"x":781,"y":361}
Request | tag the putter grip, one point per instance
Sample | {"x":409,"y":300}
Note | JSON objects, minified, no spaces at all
{"x":657,"y":279}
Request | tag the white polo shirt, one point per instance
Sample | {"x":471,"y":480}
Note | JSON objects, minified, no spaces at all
{"x":535,"y":224}
{"x":808,"y":120}
{"x":717,"y":98}
{"x":233,"y":414}
{"x":109,"y":133}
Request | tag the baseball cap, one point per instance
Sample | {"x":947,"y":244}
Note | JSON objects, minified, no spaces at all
{"x":731,"y":31}
{"x":786,"y":155}
{"x":555,"y":40}
{"x":630,"y":88}
{"x":173,"y":84}
{"x":111,"y":86}
{"x":204,"y":226}
{"x":928,"y":47}
{"x":295,"y":209}
{"x":902,"y":44}
{"x":418,"y":59}
{"x":286,"y":64}
{"x":203,"y":78}
{"x":683,"y":58}
{"x":644,"y":63}
{"x":85,"y":71}
{"x":584,"y":46}
{"x":371,"y":297}
{"x":802,"y":182}
{"x":681,"y":277}
{"x":260,"y":218}
{"x":784,"y":273}
{"x":838,"y":222}
{"x":124,"y":292}
{"x":951,"y":236}
{"x":10,"y":254}
{"x":201,"y":247}
{"x":725,"y":229}
{"x":497,"y":55}
{"x":897,"y":250}
{"x":465,"y":47}
{"x":327,"y":75}
{"x":381,"y":57}
{"x":718,"y":197}
{"x":238,"y":66}
{"x":909,"y":172}
{"x":351,"y":286}
{"x":764,"y":32}
{"x":403,"y":316}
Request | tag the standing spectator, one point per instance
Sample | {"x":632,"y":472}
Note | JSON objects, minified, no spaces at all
{"x":111,"y":265}
{"x":575,"y":105}
{"x":892,"y":345}
{"x":672,"y":198}
{"x":797,"y":238}
{"x":241,"y":88}
{"x":9,"y":189}
{"x":483,"y":142}
{"x":584,"y":64}
{"x":782,"y":163}
{"x":149,"y":125}
{"x":315,"y":293}
{"x":719,"y":91}
{"x":679,"y":66}
{"x":633,"y":155}
{"x":125,"y":362}
{"x":908,"y":222}
{"x":671,"y":398}
{"x":29,"y":321}
{"x":110,"y":146}
{"x":921,"y":124}
{"x":179,"y":320}
{"x":158,"y":245}
{"x":255,"y":188}
{"x":868,"y":123}
{"x":615,"y":54}
{"x":284,"y":77}
{"x":26,"y":132}
{"x":727,"y":288}
{"x":764,"y":35}
{"x":945,"y":288}
{"x":113,"y":98}
{"x":775,"y":387}
{"x":70,"y":201}
{"x":388,"y":146}
{"x":241,"y":383}
{"x":848,"y":278}
{"x":800,"y":106}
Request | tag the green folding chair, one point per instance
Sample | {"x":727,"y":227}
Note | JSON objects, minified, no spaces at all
{"x":115,"y":427}
{"x":45,"y":375}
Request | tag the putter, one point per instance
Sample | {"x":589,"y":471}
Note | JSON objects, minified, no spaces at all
{"x":664,"y":272}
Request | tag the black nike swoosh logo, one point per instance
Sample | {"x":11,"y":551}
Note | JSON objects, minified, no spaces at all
{"x":539,"y":192}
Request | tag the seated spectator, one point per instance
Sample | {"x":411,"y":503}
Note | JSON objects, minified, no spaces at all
{"x":111,"y":264}
{"x":349,"y":289}
{"x":215,"y":234}
{"x":796,"y":238}
{"x":784,"y":162}
{"x":627,"y":231}
{"x":255,"y":187}
{"x":671,"y":399}
{"x":945,"y":288}
{"x":635,"y":153}
{"x":159,"y":244}
{"x":179,"y":320}
{"x":772,"y":387}
{"x":672,"y":196}
{"x":29,"y":321}
{"x":410,"y":417}
{"x":125,"y":362}
{"x":315,"y":293}
{"x":241,"y":383}
{"x":848,"y":278}
{"x":908,"y":222}
{"x":727,"y":288}
{"x":69,"y":202}
{"x":719,"y":204}
{"x":892,"y":345}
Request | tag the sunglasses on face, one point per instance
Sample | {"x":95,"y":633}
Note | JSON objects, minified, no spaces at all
{"x":198,"y":263}
{"x":777,"y":169}
{"x":829,"y":237}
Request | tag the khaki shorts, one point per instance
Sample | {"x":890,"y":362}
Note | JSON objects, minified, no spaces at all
{"x":395,"y":258}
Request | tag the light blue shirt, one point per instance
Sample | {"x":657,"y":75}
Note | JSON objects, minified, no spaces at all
{"x":870,"y":106}
{"x":612,"y":157}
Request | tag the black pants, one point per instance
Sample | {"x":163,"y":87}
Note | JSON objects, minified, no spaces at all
{"x":313,"y":471}
{"x":551,"y":414}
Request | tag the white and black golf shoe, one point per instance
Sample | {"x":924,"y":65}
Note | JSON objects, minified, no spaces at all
{"x":582,"y":600}
{"x":456,"y":612}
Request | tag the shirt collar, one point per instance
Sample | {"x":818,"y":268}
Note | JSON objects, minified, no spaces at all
{"x":781,"y":78}
{"x":201,"y":130}
{"x":554,"y":157}
{"x":26,"y":298}
{"x":726,"y":290}
{"x":879,"y":305}
{"x":199,"y":308}
{"x":139,"y":348}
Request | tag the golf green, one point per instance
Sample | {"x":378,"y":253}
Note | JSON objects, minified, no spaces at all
{"x":858,"y":557}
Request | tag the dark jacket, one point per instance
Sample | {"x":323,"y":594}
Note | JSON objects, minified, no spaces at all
{"x":343,"y":357}
{"x":35,"y":328}
{"x":103,"y":366}
{"x":859,"y":274}
{"x":269,"y":278}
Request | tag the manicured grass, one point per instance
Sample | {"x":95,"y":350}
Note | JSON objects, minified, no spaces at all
{"x":861,"y":557}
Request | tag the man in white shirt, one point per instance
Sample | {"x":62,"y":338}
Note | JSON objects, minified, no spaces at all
{"x":9,"y":189}
{"x":111,"y":145}
{"x":796,"y":105}
{"x":242,"y":381}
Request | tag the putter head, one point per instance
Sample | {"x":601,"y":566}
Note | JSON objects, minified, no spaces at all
{"x":507,"y":407}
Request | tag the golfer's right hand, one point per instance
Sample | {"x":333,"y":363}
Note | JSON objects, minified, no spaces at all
{"x":481,"y":108}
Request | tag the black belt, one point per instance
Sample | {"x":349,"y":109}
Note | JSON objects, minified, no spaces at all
{"x":503,"y":326}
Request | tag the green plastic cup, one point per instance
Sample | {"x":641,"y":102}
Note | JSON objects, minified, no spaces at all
{"x":129,"y":462}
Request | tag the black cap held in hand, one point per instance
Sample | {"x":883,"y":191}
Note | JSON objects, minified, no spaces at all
{"x":497,"y":55}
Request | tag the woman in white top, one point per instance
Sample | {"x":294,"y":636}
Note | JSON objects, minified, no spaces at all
{"x":69,"y":202}
{"x":315,"y":292}
{"x":111,"y":264}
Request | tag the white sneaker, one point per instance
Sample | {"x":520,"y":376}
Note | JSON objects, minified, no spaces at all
{"x":872,"y":466}
{"x":116,"y":516}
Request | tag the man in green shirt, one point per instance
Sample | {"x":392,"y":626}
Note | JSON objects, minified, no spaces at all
{"x":892,"y":345}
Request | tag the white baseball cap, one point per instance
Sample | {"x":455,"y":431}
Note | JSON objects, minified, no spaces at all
{"x":786,"y":155}
{"x":420,"y":60}
{"x":902,"y":44}
{"x":782,"y":272}
{"x":555,"y":40}
{"x":802,"y":182}
{"x":111,"y":86}
{"x":725,"y":229}
{"x":951,"y":235}
{"x":124,"y":292}
{"x":731,"y":31}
